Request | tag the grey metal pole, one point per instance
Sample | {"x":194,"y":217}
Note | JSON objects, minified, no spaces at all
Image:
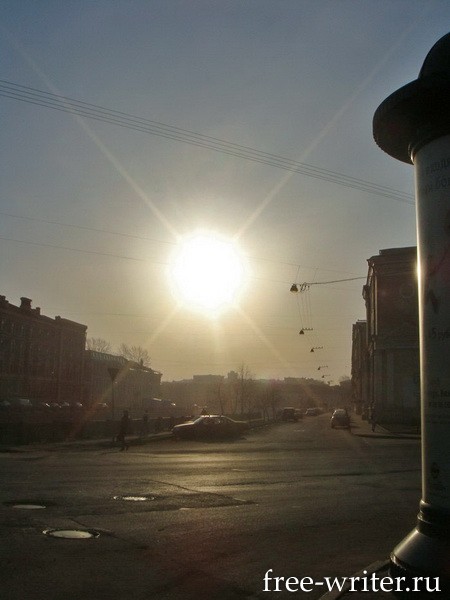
{"x":113,"y":374}
{"x":413,"y":126}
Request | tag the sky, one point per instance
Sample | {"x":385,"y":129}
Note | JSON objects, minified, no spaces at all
{"x":248,"y":119}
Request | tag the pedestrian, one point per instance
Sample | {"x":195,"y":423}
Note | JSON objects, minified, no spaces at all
{"x":373,"y":420}
{"x":158,"y":424}
{"x":349,"y":420}
{"x":144,"y":426}
{"x":123,"y":430}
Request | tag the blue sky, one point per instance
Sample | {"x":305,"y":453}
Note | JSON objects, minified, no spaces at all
{"x":91,"y":212}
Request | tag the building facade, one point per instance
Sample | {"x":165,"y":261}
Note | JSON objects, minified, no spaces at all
{"x":360,"y":369}
{"x":44,"y":360}
{"x":119,"y":383}
{"x":40,"y":358}
{"x":393,"y":371}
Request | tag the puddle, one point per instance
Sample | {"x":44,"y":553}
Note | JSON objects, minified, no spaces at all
{"x":131,"y":498}
{"x":26,"y":504}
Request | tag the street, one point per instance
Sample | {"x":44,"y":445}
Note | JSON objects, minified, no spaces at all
{"x":184,"y":520}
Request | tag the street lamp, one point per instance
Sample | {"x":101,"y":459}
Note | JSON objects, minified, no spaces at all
{"x":299,"y":287}
{"x":113,"y":371}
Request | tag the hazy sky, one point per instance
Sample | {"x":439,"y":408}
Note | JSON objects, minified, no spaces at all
{"x":91,"y":212}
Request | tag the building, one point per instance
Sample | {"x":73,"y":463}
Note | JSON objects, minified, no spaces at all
{"x":393,"y":371}
{"x":119,"y":383}
{"x":360,"y":379}
{"x":41,"y":358}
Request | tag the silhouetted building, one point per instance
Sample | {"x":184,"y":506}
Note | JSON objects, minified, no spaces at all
{"x":40,"y":358}
{"x":135,"y":385}
{"x":391,"y":297}
{"x":360,"y":369}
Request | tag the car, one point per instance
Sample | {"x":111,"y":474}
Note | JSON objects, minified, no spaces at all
{"x":209,"y":427}
{"x":20,"y":403}
{"x":313,"y":412}
{"x":289,"y":414}
{"x":340,"y":418}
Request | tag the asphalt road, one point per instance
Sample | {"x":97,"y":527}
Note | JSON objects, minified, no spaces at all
{"x":185,"y":520}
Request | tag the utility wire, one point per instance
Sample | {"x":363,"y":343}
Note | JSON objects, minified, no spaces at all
{"x":121,"y":234}
{"x":37,"y":97}
{"x":335,"y":281}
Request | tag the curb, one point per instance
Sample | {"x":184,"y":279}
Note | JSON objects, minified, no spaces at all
{"x":84,"y":444}
{"x":388,"y":436}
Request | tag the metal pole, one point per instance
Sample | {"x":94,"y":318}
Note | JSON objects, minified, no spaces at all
{"x":113,"y":374}
{"x":413,"y":126}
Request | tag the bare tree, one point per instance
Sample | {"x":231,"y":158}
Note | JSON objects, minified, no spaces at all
{"x":243,"y":388}
{"x":135,"y":353}
{"x":273,"y":398}
{"x":98,"y":345}
{"x":218,"y":392}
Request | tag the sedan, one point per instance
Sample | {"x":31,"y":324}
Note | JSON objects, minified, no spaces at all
{"x":313,"y":412}
{"x":340,"y":418}
{"x":210,"y":427}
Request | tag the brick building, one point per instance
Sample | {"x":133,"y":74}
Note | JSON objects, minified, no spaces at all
{"x":40,"y":358}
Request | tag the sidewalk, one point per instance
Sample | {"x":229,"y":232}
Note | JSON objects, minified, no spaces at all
{"x":132,"y":440}
{"x":372,"y":575}
{"x":363,"y":428}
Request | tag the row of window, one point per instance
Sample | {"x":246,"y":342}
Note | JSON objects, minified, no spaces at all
{"x":12,"y":328}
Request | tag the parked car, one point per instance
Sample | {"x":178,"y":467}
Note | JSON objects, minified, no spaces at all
{"x":313,"y":412}
{"x":340,"y":418}
{"x":209,"y":427}
{"x":289,"y":414}
{"x":20,"y":403}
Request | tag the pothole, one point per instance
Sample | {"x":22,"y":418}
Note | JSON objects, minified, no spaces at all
{"x":72,"y":534}
{"x":28,"y":506}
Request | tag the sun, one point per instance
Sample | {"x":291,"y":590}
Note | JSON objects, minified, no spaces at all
{"x":207,"y":272}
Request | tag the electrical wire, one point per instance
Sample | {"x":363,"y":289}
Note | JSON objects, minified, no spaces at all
{"x":304,"y":286}
{"x":66,"y":104}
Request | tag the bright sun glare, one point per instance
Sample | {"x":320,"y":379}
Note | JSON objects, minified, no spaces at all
{"x":207,"y":272}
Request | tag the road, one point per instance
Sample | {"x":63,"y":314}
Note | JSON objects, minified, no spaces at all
{"x":185,"y":520}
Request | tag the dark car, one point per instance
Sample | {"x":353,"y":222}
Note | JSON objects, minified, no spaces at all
{"x":210,"y":427}
{"x":340,"y":418}
{"x":289,"y":414}
{"x":313,"y":412}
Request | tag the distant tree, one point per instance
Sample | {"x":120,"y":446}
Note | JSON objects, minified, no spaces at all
{"x":273,"y":398}
{"x":218,"y":392}
{"x":135,"y":353}
{"x":98,"y":344}
{"x":345,"y":388}
{"x":243,"y":388}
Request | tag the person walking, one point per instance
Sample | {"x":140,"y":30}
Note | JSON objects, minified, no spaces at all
{"x":158,"y":425}
{"x":123,"y":430}
{"x":144,"y":426}
{"x":373,"y":420}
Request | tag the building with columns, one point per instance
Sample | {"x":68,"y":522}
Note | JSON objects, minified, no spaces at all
{"x":393,"y":372}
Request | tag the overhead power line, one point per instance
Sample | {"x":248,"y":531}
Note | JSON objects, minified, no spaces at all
{"x":80,"y":108}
